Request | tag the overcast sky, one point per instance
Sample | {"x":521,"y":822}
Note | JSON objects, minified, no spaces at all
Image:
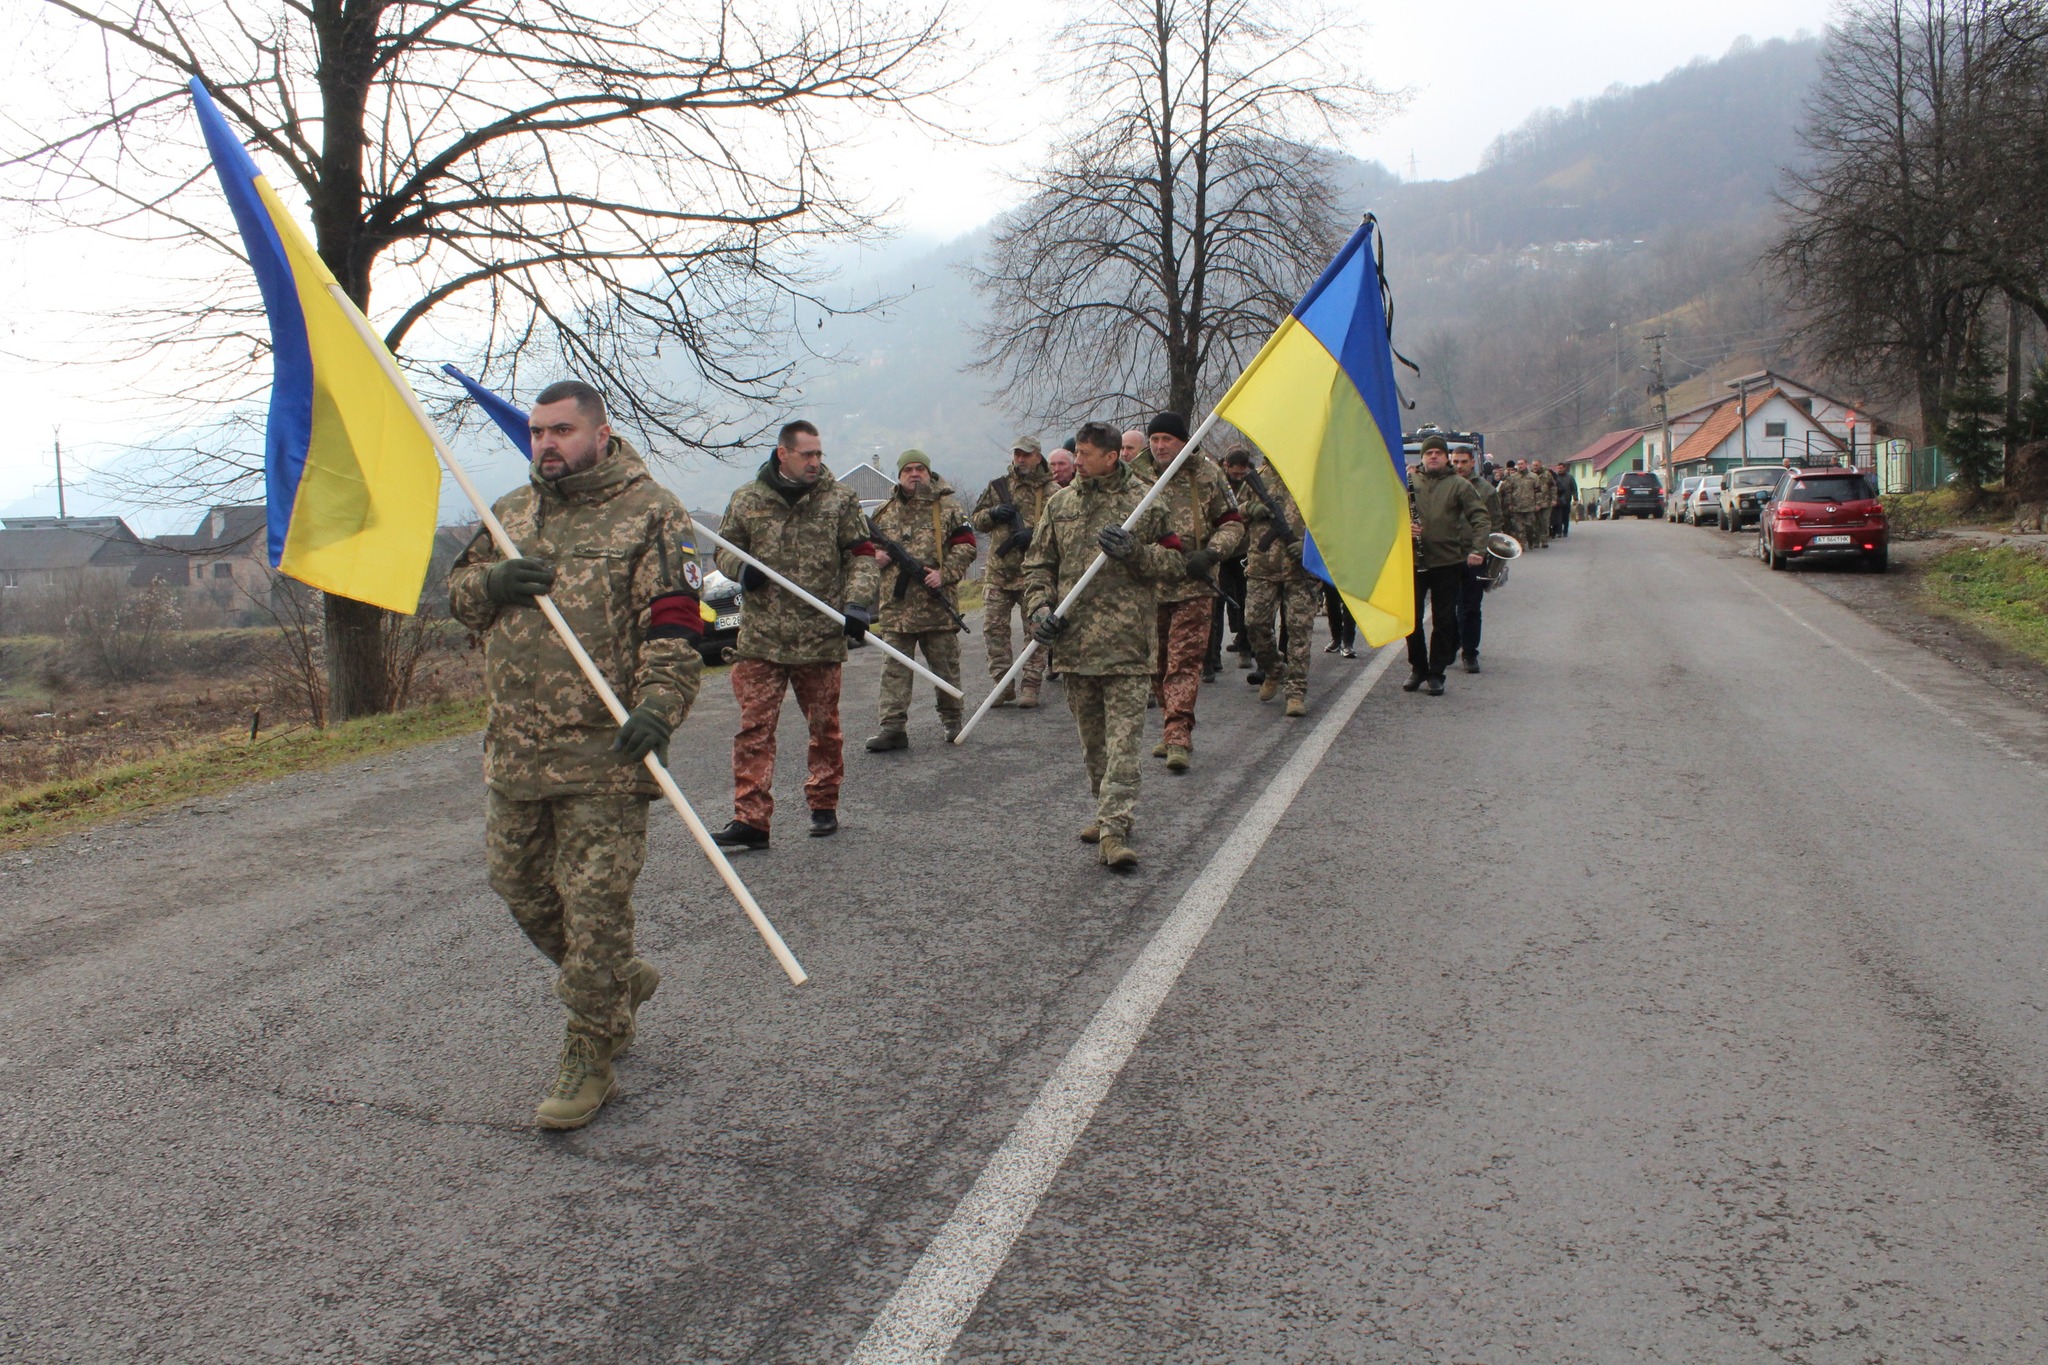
{"x":1471,"y":69}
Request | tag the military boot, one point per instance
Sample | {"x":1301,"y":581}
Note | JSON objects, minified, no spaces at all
{"x":890,"y":738}
{"x":1116,"y":854}
{"x":582,"y":1085}
{"x":642,"y":981}
{"x":1007,"y":697}
{"x":1091,"y":832}
{"x":1178,"y":758}
{"x":1297,"y":706}
{"x":1027,"y":697}
{"x":1159,"y":749}
{"x":1269,"y":689}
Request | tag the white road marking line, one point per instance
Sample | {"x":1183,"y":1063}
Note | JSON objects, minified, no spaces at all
{"x":927,"y":1312}
{"x":1930,"y":703}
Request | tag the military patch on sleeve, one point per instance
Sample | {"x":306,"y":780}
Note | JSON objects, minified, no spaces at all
{"x":693,"y":574}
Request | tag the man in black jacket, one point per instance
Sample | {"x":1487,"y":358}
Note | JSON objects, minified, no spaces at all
{"x":1449,"y":525}
{"x":1567,"y":498}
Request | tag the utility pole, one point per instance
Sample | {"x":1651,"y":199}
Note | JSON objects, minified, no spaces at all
{"x":1661,"y":392}
{"x":57,"y":438}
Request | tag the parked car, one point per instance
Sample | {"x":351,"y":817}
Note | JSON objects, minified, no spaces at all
{"x":1705,"y":503}
{"x":721,"y":600}
{"x":1674,"y":510}
{"x":1743,"y":491}
{"x":1638,"y":494}
{"x":1824,"y":514}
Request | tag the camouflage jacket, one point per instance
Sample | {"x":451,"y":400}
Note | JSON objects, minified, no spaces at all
{"x":1545,"y":484}
{"x":1518,"y":491}
{"x":931,"y":526}
{"x":1113,"y":628}
{"x":1489,"y":497}
{"x":1453,"y":518}
{"x":626,"y":580}
{"x":1200,"y":510}
{"x":1028,"y":494}
{"x":1278,"y":560}
{"x":819,"y":541}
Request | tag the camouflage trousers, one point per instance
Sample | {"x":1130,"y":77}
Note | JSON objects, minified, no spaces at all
{"x":1177,"y":670}
{"x":1535,"y":529}
{"x":566,"y":866}
{"x":1110,"y":712}
{"x":941,"y":654}
{"x":759,"y":687}
{"x":1263,"y":598}
{"x":995,"y":632}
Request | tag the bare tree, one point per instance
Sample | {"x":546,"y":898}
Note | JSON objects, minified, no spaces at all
{"x":1170,"y":233}
{"x":1922,"y":200}
{"x":616,"y":193}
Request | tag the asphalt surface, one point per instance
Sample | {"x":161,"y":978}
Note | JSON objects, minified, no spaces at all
{"x":1673,"y":991}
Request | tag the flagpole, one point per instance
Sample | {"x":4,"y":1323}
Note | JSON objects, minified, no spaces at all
{"x":877,"y":641}
{"x":1031,"y":644}
{"x":591,"y":672}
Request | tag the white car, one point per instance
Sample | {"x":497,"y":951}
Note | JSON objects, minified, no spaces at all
{"x":1674,"y":508}
{"x":1705,"y":503}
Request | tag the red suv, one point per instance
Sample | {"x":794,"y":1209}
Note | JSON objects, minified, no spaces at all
{"x":1824,"y":514}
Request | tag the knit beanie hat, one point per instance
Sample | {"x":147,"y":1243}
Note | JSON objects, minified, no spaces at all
{"x":910,"y":457}
{"x":1171,"y":423}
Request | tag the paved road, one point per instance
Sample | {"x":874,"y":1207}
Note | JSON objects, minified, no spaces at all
{"x":1673,"y":991}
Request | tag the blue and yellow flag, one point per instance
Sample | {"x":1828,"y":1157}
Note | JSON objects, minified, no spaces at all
{"x":350,"y":475}
{"x":509,"y":417}
{"x":1319,"y":399}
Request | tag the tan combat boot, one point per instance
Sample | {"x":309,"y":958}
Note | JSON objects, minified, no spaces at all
{"x":1297,"y":706}
{"x":1178,"y":758}
{"x":1159,"y":749}
{"x":1116,"y":854}
{"x":1027,"y":697}
{"x":1269,"y":689}
{"x":583,"y":1084}
{"x":1090,"y":832}
{"x":642,"y":981}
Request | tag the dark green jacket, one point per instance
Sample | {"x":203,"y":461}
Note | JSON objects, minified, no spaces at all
{"x":1453,"y":518}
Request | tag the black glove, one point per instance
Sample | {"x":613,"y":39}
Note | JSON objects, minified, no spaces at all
{"x":752,"y":579}
{"x":1199,"y":562}
{"x":1046,"y":626}
{"x":858,"y":619}
{"x":1018,"y":541}
{"x":1116,"y":542}
{"x":1003,"y":513}
{"x":644,"y":732}
{"x":516,"y":582}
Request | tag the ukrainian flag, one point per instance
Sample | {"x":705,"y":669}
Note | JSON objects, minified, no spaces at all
{"x":1319,"y":399}
{"x":350,"y":473}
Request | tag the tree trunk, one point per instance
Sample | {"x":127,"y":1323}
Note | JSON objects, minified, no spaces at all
{"x":358,"y":683}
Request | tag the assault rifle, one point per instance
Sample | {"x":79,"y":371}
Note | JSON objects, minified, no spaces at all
{"x":908,"y":569}
{"x":1279,"y":530}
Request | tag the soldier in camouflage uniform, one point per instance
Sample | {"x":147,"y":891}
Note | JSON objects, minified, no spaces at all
{"x":1104,"y":654}
{"x":807,"y":526}
{"x":1008,"y":513}
{"x":1542,"y":497}
{"x":566,"y":820}
{"x":924,"y":519}
{"x":1275,"y":581}
{"x":1201,"y":512}
{"x":1518,"y":492}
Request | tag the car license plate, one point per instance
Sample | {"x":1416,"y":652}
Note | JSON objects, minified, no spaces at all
{"x":1832,"y":540}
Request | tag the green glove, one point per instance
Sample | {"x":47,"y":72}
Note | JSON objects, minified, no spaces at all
{"x":1199,"y":563}
{"x":516,"y":582}
{"x":644,"y":732}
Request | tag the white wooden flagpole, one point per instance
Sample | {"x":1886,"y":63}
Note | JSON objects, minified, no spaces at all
{"x":597,"y":680}
{"x":877,"y":641}
{"x":1031,"y":644}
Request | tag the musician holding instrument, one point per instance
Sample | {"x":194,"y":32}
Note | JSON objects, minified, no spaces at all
{"x":1450,"y":527}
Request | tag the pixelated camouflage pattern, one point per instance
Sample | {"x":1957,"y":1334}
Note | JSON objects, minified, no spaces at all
{"x":908,"y":520}
{"x":1281,"y":558}
{"x":1298,"y":597}
{"x":1452,"y":516}
{"x":1489,"y":496}
{"x":1199,"y":509}
{"x":1109,"y":711}
{"x":566,"y":866}
{"x":814,"y":542}
{"x":1110,"y":630}
{"x":1028,"y":493}
{"x":999,"y":607}
{"x":941,"y":650}
{"x":616,"y":540}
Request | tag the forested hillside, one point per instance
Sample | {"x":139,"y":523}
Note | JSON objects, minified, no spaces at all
{"x":1523,"y":289}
